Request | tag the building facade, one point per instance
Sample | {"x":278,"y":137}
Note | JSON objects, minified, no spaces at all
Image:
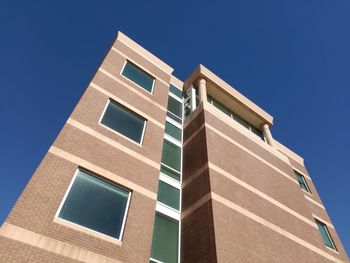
{"x":149,"y":168}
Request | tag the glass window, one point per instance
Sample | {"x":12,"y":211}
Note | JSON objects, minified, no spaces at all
{"x":168,"y":195}
{"x":173,"y":131}
{"x":169,"y":172}
{"x":124,"y":121}
{"x":302,"y":182}
{"x":175,"y":107}
{"x":175,"y":91}
{"x":171,"y":155}
{"x":165,"y":239}
{"x":96,"y":204}
{"x":139,"y":76}
{"x":325,"y":234}
{"x":221,"y":107}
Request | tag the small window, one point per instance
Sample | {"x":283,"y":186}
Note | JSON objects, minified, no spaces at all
{"x":327,"y":239}
{"x":171,"y":155}
{"x":175,"y":91}
{"x":124,"y":121}
{"x":302,"y":182}
{"x":170,"y":172}
{"x":174,"y":109}
{"x":168,"y":195}
{"x":165,"y":239}
{"x":139,"y":76}
{"x":173,"y":131}
{"x":96,"y":204}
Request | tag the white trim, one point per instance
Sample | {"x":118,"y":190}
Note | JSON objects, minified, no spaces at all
{"x":137,"y":65}
{"x":173,"y":122}
{"x":323,"y":221}
{"x":172,"y":140}
{"x":302,"y":173}
{"x":118,"y":133}
{"x":170,"y":181}
{"x":193,"y":98}
{"x":175,"y":97}
{"x":314,"y":202}
{"x":86,"y":228}
{"x":156,"y":261}
{"x":170,"y":168}
{"x":168,"y":211}
{"x":329,"y":235}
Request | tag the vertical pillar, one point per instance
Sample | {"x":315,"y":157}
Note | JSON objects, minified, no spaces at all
{"x":202,"y":86}
{"x":193,"y":98}
{"x":268,"y":135}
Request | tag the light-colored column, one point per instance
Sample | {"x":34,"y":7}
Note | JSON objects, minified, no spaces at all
{"x":268,"y":135}
{"x":202,"y":86}
{"x":193,"y":99}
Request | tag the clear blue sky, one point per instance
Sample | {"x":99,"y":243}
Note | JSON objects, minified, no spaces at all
{"x":290,"y":57}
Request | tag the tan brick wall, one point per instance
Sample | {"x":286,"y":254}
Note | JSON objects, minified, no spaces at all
{"x":36,"y":208}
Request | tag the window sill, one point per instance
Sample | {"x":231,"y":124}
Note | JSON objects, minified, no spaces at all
{"x":86,"y":231}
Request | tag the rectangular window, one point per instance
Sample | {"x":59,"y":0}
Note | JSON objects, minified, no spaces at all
{"x":175,"y":91}
{"x":171,"y":155}
{"x":170,"y":172}
{"x":96,"y":204}
{"x":124,"y":121}
{"x":165,"y":239}
{"x":173,"y":131}
{"x":174,"y":109}
{"x":302,"y":182}
{"x":138,"y":76}
{"x":168,"y":195}
{"x":327,"y":239}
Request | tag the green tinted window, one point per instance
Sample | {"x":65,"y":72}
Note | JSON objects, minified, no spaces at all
{"x":123,"y":121}
{"x":168,"y":195}
{"x":139,"y":76}
{"x":95,"y":204}
{"x":173,"y":131}
{"x":175,"y":107}
{"x":302,"y":182}
{"x":221,"y":107}
{"x":171,"y":155}
{"x":325,"y":234}
{"x":175,"y":91}
{"x":169,"y":172}
{"x":165,"y":239}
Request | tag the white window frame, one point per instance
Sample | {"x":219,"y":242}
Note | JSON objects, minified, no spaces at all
{"x":118,"y":133}
{"x":86,"y":228}
{"x":138,"y":66}
{"x":334,"y":248}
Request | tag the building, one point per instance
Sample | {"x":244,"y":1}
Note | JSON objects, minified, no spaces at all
{"x":151,"y":169}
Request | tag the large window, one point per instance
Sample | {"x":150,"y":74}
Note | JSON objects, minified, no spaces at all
{"x":327,"y":239}
{"x":165,"y":239}
{"x":139,"y":76}
{"x":96,"y":204}
{"x":173,"y":131}
{"x":124,"y":121}
{"x":302,"y":182}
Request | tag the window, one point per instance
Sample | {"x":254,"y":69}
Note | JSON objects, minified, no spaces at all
{"x":139,"y":76}
{"x":171,"y":155}
{"x":96,"y":204}
{"x":168,"y":195}
{"x":170,"y":172}
{"x":327,"y":239}
{"x":173,"y":131}
{"x":302,"y":182}
{"x":124,"y":121}
{"x":174,"y":109}
{"x":165,"y":239}
{"x":175,"y":91}
{"x":234,"y":116}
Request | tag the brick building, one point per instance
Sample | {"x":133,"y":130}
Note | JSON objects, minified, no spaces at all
{"x":151,"y":169}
